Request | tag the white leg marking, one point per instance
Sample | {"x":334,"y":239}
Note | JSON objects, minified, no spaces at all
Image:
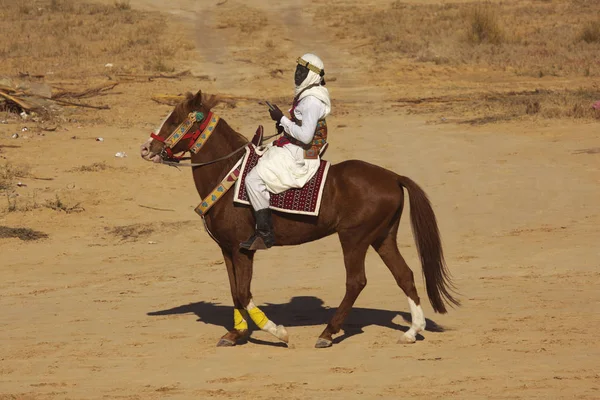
{"x":278,"y":331}
{"x":418,"y":322}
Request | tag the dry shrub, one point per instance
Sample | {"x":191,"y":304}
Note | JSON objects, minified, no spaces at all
{"x":10,"y":172}
{"x":57,"y":204}
{"x":483,"y":26}
{"x":74,"y":39}
{"x":591,"y":32}
{"x":123,"y":5}
{"x":528,"y":38}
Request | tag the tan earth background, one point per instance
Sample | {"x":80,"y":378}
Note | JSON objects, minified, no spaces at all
{"x":111,"y":288}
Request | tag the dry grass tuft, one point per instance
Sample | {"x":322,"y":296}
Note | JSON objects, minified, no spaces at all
{"x":21,"y":233}
{"x":483,"y":26}
{"x":135,"y":232}
{"x":547,"y":104}
{"x":123,"y":5}
{"x":131,"y":232}
{"x":590,"y":32}
{"x":95,"y":167}
{"x":58,"y":204}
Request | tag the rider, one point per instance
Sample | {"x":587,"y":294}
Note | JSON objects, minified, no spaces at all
{"x":293,"y":159}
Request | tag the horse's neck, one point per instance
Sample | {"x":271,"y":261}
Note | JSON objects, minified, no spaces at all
{"x":222,"y":142}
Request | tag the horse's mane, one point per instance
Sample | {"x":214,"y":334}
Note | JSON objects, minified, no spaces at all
{"x":210,"y":100}
{"x":183,"y":109}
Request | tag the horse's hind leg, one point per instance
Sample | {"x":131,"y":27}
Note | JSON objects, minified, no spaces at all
{"x":389,"y":253}
{"x":356,"y":280}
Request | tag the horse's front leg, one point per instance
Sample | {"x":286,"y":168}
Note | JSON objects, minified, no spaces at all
{"x":240,"y":315}
{"x":243,"y":264}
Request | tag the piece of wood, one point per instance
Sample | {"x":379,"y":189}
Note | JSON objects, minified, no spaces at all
{"x":21,"y":103}
{"x":154,"y":208}
{"x":163,"y":76}
{"x":28,"y":75}
{"x":171,"y":100}
{"x":70,"y":103}
{"x":87,"y":93}
{"x":7,"y":89}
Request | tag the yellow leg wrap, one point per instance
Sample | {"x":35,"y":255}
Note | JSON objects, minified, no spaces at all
{"x":259,"y":317}
{"x":239,"y":322}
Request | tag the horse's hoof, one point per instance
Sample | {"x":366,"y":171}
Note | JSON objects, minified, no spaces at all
{"x":323,"y":343}
{"x":282,"y":334}
{"x":407,"y":339}
{"x":225,"y":343}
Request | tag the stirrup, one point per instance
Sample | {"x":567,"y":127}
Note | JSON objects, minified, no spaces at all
{"x":254,"y":243}
{"x":258,"y":242}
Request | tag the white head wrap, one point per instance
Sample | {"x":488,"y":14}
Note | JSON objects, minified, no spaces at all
{"x":313,"y":79}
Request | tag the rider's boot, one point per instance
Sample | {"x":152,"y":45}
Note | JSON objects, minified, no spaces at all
{"x":263,"y":236}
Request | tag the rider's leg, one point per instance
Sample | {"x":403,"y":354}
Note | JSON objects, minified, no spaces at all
{"x":258,"y":195}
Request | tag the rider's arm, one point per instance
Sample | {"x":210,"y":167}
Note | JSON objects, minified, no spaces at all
{"x":311,"y":110}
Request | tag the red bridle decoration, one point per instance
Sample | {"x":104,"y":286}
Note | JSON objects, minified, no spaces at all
{"x":183,"y":129}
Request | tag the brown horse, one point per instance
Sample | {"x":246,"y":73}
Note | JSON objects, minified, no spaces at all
{"x":361,"y":202}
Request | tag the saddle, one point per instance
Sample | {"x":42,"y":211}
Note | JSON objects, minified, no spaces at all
{"x":304,"y":201}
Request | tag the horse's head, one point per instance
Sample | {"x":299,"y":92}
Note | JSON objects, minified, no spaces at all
{"x":180,"y":129}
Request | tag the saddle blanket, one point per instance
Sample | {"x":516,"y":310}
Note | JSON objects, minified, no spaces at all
{"x":305,"y":201}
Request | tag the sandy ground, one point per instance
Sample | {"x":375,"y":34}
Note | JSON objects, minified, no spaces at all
{"x":87,"y":314}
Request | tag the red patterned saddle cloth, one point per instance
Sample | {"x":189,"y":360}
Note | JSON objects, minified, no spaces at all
{"x":305,"y":201}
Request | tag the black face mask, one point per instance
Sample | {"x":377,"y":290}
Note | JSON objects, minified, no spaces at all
{"x":300,"y":75}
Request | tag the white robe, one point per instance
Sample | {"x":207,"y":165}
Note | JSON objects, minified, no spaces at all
{"x":283,"y":168}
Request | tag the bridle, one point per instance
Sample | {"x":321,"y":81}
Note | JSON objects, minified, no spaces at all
{"x":197,"y":139}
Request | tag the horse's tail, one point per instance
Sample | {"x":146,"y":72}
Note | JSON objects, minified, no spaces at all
{"x":429,"y":246}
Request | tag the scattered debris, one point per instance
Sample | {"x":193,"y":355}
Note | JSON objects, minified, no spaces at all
{"x":99,"y":139}
{"x":152,"y":242}
{"x":121,"y":154}
{"x":109,"y":65}
{"x":21,"y":184}
{"x":27,"y":98}
{"x":15,"y":136}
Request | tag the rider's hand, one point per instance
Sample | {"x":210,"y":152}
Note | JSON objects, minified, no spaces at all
{"x":276,"y":114}
{"x":279,"y":128}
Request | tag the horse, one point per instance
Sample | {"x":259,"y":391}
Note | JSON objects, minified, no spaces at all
{"x":361,"y":202}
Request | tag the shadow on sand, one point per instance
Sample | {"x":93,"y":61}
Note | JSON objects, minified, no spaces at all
{"x":300,"y":311}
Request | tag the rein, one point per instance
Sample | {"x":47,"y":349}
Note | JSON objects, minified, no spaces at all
{"x":178,"y":164}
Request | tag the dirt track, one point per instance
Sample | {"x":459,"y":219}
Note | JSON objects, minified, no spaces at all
{"x":89,"y":314}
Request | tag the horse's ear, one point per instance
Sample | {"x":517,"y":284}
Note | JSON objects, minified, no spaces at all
{"x":197,"y":100}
